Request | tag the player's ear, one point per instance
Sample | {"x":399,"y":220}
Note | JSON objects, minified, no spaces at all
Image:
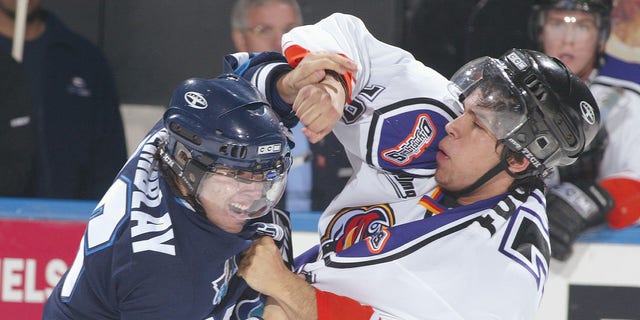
{"x":239,"y":41}
{"x":518,"y":165}
{"x":182,"y":187}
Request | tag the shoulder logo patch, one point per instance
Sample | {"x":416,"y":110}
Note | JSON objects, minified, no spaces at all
{"x":414,"y":144}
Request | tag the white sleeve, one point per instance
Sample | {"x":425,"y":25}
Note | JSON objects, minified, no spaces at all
{"x":397,"y":116}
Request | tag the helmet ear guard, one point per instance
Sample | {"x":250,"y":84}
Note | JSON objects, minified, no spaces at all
{"x":188,"y":170}
{"x":563,"y":116}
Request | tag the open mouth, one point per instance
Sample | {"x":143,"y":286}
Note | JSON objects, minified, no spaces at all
{"x":238,"y":207}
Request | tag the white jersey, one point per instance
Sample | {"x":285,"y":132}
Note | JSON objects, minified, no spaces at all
{"x":488,"y":260}
{"x":390,"y":129}
{"x":404,"y":258}
{"x":620,"y":101}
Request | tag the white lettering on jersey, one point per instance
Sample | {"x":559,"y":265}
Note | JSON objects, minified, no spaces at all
{"x":149,"y":224}
{"x":148,"y":193}
{"x":113,"y":211}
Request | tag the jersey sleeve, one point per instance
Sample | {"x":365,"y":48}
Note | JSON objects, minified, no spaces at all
{"x":338,"y":33}
{"x":263,"y":70}
{"x":397,"y":115}
{"x":398,"y":107}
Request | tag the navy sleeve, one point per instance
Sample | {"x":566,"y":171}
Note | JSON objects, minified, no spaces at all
{"x":263,"y":70}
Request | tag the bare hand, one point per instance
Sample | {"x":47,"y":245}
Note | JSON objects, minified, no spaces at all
{"x":264,"y":271}
{"x":262,"y":267}
{"x":311,"y":70}
{"x":319,"y":107}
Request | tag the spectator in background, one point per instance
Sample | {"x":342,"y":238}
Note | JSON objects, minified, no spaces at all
{"x":576,"y":31}
{"x":16,"y":130}
{"x":320,"y":170}
{"x":444,"y":34}
{"x":258,"y":25}
{"x":80,"y":143}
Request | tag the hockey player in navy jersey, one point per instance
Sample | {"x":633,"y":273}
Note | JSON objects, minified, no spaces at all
{"x":484,"y":258}
{"x":163,"y":242}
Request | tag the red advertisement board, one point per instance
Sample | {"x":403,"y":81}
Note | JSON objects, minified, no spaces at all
{"x":34,"y":254}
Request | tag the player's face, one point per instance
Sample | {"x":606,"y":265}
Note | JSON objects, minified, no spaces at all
{"x":266,"y":25}
{"x":572,"y":37}
{"x":226,"y":200}
{"x":468,"y":151}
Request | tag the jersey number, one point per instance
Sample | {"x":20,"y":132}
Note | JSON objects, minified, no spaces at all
{"x":106,"y":219}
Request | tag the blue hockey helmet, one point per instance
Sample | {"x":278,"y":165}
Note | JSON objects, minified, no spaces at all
{"x":224,"y":126}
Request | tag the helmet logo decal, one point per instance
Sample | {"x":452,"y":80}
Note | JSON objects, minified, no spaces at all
{"x":195,"y":100}
{"x":587,"y":112}
{"x":271,"y":148}
{"x":517,"y":61}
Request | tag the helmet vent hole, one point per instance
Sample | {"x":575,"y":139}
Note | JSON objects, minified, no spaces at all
{"x":234,"y":151}
{"x":536,"y":87}
{"x":185,"y":133}
{"x":542,"y":142}
{"x":238,"y":152}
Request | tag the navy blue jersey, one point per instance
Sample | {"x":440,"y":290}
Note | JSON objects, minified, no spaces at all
{"x":147,"y":254}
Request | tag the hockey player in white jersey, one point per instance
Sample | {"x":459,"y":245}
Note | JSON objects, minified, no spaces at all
{"x":487,"y":257}
{"x":606,"y":176}
{"x":620,"y":170}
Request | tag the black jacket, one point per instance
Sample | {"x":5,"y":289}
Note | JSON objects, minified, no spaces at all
{"x":17,"y":140}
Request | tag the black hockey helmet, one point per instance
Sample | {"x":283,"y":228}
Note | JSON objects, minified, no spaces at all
{"x":224,"y":126}
{"x":534,"y":104}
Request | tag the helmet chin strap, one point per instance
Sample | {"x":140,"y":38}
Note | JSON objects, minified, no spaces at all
{"x":502,"y":165}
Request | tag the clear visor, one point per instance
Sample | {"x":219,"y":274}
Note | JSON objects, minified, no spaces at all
{"x":245,"y":194}
{"x":484,"y":88}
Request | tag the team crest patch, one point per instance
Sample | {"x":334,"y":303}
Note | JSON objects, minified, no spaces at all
{"x":221,"y":285}
{"x":376,"y":242}
{"x":352,"y":225}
